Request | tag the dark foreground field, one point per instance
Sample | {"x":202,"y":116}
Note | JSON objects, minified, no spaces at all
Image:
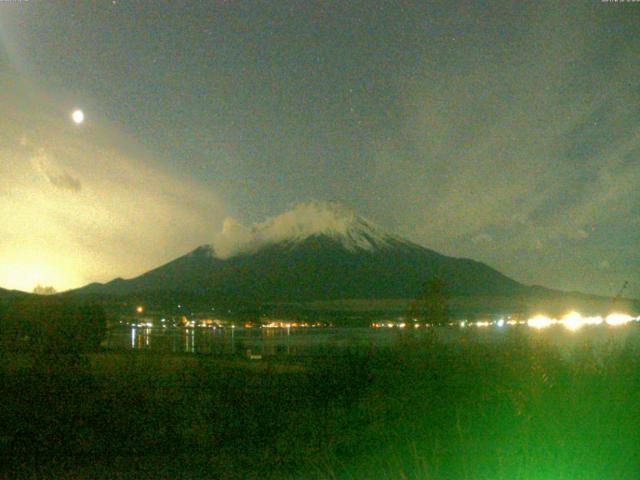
{"x":519,"y":410}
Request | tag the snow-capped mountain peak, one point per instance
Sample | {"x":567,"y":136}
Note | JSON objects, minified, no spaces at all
{"x":303,"y":221}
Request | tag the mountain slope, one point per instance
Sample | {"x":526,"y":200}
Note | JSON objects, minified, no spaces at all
{"x":320,"y":268}
{"x":314,"y":252}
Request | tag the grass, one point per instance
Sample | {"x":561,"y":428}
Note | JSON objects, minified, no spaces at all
{"x":521,"y":409}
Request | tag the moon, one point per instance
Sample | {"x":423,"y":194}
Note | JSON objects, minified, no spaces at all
{"x":77,"y":116}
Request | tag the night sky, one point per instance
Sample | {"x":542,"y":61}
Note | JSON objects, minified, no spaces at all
{"x":508,"y":132}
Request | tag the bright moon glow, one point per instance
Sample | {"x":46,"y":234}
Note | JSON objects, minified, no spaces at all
{"x":24,"y":270}
{"x":78,"y":116}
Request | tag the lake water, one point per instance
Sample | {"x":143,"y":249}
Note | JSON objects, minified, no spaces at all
{"x":321,"y":341}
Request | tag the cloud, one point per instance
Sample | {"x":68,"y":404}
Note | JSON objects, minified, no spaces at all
{"x":126,"y":216}
{"x":482,"y":238}
{"x":301,"y":221}
{"x":64,"y":181}
{"x":56,"y":177}
{"x":233,"y":238}
{"x":520,"y":218}
{"x":537,"y":140}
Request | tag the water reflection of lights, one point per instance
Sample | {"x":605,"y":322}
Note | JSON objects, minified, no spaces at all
{"x":189,"y":341}
{"x":572,"y":321}
{"x":140,"y":335}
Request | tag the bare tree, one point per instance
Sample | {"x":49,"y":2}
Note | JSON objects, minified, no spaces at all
{"x":42,"y":290}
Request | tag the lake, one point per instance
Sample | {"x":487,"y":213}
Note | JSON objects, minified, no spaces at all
{"x":328,"y":340}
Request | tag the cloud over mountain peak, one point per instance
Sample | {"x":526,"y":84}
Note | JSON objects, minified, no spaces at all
{"x":305,"y":220}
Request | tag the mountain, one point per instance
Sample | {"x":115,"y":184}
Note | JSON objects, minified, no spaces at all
{"x":6,"y":294}
{"x":322,"y":256}
{"x":317,"y":251}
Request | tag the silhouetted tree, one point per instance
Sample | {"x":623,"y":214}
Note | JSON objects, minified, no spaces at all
{"x":42,"y":290}
{"x":432,"y":304}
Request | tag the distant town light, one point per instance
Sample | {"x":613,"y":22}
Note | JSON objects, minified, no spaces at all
{"x":539,"y":321}
{"x":573,"y":321}
{"x":615,"y":319}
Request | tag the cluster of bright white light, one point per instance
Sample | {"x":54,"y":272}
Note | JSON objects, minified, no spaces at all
{"x":540,"y":321}
{"x":574,"y":320}
{"x":620,"y":319}
{"x":142,"y":324}
{"x":281,"y":324}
